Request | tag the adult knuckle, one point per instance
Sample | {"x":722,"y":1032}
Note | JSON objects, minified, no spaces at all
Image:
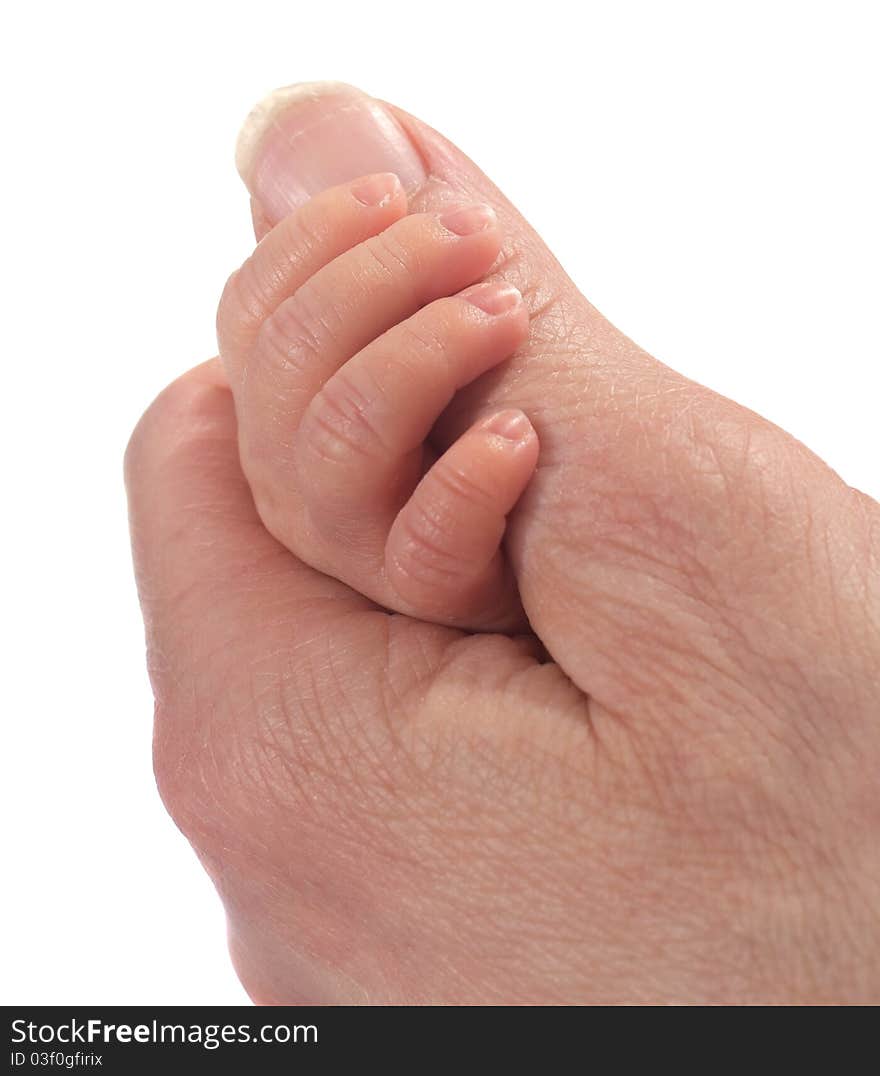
{"x":184,"y":414}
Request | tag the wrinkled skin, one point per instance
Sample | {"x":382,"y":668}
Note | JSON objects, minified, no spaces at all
{"x":669,"y":793}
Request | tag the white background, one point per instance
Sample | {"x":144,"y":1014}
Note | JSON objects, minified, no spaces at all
{"x":707,"y":172}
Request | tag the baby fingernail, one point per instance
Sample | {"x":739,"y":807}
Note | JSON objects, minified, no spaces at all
{"x":493,"y":298}
{"x":511,"y":425}
{"x":465,"y":220}
{"x":376,"y":190}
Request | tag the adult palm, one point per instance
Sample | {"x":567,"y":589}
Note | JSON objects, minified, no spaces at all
{"x":398,"y":812}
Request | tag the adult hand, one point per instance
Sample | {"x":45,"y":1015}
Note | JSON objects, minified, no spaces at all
{"x":681,"y":806}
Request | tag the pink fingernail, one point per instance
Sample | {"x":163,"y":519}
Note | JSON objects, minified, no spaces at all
{"x":468,"y":219}
{"x":303,"y":139}
{"x":495,"y":297}
{"x":511,"y":425}
{"x":376,"y":190}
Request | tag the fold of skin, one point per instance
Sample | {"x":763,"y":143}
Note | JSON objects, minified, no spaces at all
{"x":681,"y":806}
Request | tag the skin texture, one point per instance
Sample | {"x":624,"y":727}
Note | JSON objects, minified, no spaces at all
{"x":341,"y":360}
{"x":668,"y":792}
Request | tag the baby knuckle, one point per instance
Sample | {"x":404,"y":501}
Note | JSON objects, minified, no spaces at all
{"x":301,"y":234}
{"x":422,"y":553}
{"x":423,"y":340}
{"x":243,"y":305}
{"x":339,"y":422}
{"x":461,"y":486}
{"x":392,"y":256}
{"x":291,"y":339}
{"x":228,"y":312}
